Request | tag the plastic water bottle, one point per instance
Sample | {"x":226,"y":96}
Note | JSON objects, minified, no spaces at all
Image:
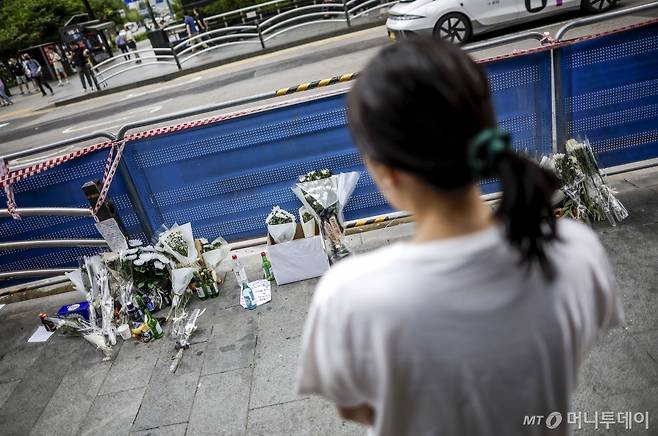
{"x":248,"y":295}
{"x":238,"y":270}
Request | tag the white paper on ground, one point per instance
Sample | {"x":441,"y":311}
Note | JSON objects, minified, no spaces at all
{"x":40,"y":335}
{"x":297,"y":260}
{"x":262,"y":292}
{"x":111,"y":232}
{"x":2,"y":305}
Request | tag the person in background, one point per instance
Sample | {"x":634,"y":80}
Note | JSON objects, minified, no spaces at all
{"x":121,"y":44}
{"x":201,"y":23}
{"x":131,"y":42}
{"x":17,"y":70}
{"x":37,"y":74}
{"x":483,"y":317}
{"x":56,"y":61}
{"x":4,"y":98}
{"x":192,"y":30}
{"x":79,"y":59}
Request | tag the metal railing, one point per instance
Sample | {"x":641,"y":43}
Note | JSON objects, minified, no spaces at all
{"x":121,"y":134}
{"x":160,"y":56}
{"x":258,"y":26}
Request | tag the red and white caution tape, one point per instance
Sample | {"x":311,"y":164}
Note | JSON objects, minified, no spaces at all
{"x":111,"y":166}
{"x":9,"y":192}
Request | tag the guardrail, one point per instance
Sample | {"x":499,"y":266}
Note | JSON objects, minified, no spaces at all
{"x":542,"y":58}
{"x":258,"y":26}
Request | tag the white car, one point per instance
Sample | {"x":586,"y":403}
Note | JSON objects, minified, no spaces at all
{"x":458,"y":20}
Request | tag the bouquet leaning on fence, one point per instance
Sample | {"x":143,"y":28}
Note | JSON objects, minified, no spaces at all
{"x":588,"y":197}
{"x":325,"y":195}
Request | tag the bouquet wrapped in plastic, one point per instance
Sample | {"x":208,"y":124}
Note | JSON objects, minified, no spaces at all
{"x":214,"y":253}
{"x":588,"y":197}
{"x":324,"y":196}
{"x":178,"y":242}
{"x":281,"y":225}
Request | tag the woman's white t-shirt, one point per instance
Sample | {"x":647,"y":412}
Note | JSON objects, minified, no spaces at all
{"x":454,"y":337}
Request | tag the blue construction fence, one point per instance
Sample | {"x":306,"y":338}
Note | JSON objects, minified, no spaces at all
{"x":224,"y":177}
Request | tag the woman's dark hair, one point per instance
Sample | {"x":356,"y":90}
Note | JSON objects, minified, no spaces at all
{"x":423,"y":105}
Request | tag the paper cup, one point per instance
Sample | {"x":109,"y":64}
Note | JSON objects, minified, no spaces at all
{"x":124,"y":331}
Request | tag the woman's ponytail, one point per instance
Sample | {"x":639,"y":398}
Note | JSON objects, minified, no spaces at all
{"x":526,"y":208}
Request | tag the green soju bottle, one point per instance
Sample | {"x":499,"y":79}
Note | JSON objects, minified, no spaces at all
{"x":198,"y":285}
{"x":267,"y":268}
{"x":153,"y":324}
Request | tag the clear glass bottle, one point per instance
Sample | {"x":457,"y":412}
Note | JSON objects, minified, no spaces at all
{"x":248,"y":295}
{"x":238,"y":270}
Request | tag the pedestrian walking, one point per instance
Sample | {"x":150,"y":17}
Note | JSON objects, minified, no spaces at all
{"x":4,"y":98}
{"x":36,"y":74}
{"x":482,"y":318}
{"x":79,"y":58}
{"x":192,"y":30}
{"x":121,"y":43}
{"x":56,"y":61}
{"x":18,"y":71}
{"x":201,"y":23}
{"x":131,"y":42}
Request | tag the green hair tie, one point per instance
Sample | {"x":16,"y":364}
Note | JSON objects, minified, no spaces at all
{"x":484,"y":150}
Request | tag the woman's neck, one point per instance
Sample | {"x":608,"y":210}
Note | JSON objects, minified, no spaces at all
{"x":443,"y":216}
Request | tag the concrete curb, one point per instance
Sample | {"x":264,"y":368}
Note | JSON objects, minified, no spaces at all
{"x":217,"y":63}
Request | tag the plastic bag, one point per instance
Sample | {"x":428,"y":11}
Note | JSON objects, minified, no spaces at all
{"x":76,"y":279}
{"x":181,"y":278}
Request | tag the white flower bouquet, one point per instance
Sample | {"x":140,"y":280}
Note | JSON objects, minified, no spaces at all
{"x":178,"y":242}
{"x":281,"y":225}
{"x":307,"y":221}
{"x":587,"y":195}
{"x":325,"y":195}
{"x":215,"y":252}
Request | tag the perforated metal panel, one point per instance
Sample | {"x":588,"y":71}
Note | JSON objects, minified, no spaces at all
{"x":225,"y":177}
{"x":59,"y":187}
{"x":610,"y":95}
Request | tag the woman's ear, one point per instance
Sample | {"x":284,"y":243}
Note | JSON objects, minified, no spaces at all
{"x":388,"y":180}
{"x":382,"y":174}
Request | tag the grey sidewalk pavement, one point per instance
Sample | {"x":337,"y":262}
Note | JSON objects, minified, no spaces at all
{"x":238,"y":376}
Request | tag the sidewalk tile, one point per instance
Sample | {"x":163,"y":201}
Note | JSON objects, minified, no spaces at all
{"x":277,"y":356}
{"x":113,"y":414}
{"x":305,"y":417}
{"x":169,"y":430}
{"x":220,"y":405}
{"x":132,"y":366}
{"x":71,"y":401}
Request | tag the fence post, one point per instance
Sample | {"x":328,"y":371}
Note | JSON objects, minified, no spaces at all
{"x":260,"y":34}
{"x":347,"y":13}
{"x":173,"y":52}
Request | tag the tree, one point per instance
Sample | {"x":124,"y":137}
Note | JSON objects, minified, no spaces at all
{"x":31,"y":22}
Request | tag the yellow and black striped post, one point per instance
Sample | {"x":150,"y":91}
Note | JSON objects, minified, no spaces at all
{"x":315,"y":84}
{"x":368,"y":221}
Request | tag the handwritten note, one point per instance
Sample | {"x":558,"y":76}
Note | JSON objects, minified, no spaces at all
{"x":262,"y":292}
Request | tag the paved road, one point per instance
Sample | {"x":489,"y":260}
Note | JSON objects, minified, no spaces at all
{"x":27,"y":126}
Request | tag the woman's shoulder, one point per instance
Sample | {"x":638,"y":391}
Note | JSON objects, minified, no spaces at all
{"x":358,"y":270}
{"x":575,"y":233}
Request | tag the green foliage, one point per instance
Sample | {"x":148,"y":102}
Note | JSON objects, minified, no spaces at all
{"x":30,"y":22}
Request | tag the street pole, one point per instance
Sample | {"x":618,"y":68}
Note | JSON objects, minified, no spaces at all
{"x":90,"y":13}
{"x":151,"y":14}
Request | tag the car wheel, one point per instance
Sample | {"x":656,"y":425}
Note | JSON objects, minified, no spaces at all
{"x":596,"y":6}
{"x":454,"y":27}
